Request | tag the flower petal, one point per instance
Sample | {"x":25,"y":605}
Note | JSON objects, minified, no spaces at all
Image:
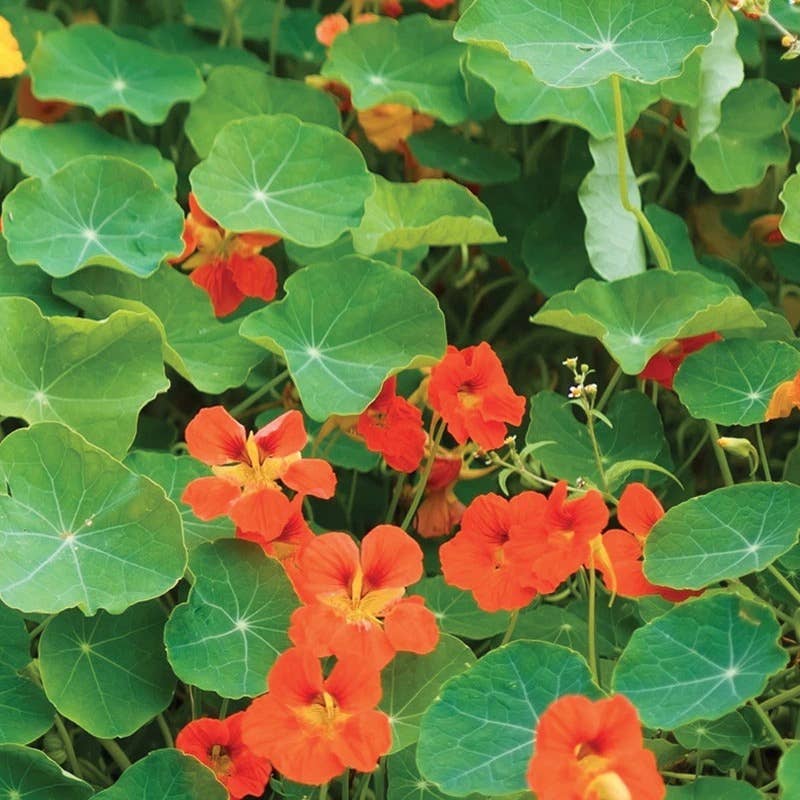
{"x":215,"y":437}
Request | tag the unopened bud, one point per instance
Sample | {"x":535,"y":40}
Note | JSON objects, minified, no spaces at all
{"x":738,"y":447}
{"x":571,"y":363}
{"x":590,"y":389}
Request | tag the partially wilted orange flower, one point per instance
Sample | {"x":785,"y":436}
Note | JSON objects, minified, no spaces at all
{"x":784,"y":400}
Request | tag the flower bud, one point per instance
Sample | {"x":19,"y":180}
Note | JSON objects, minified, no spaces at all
{"x":738,"y":447}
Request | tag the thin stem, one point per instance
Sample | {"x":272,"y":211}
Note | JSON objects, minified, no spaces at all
{"x":423,"y":480}
{"x":518,"y":297}
{"x":346,"y":785}
{"x":351,"y":500}
{"x":780,"y":699}
{"x":275,"y":35}
{"x":323,"y":792}
{"x":608,"y":391}
{"x":396,"y":495}
{"x":166,"y":733}
{"x":116,"y":753}
{"x":679,"y":776}
{"x":675,"y":178}
{"x":719,"y":454}
{"x":10,"y":107}
{"x":68,"y":748}
{"x":598,"y":456}
{"x":592,"y":619}
{"x":94,"y":773}
{"x":762,"y":453}
{"x":129,"y":132}
{"x":656,"y":245}
{"x":773,"y":731}
{"x":259,"y":393}
{"x":380,"y":780}
{"x":39,"y":629}
{"x":783,"y":582}
{"x":439,"y":266}
{"x":512,"y":623}
{"x":223,"y":708}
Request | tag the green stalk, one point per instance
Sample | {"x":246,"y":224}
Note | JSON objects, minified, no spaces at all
{"x":773,"y":731}
{"x":423,"y":480}
{"x":719,"y":453}
{"x":592,"y":620}
{"x":762,"y":452}
{"x":116,"y":753}
{"x":512,"y":623}
{"x":783,"y":582}
{"x":275,"y":36}
{"x":166,"y":733}
{"x":68,"y":748}
{"x":259,"y":393}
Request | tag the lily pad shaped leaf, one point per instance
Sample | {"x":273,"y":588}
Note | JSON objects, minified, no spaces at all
{"x":165,"y":775}
{"x":789,"y":771}
{"x":94,"y":210}
{"x":121,"y":75}
{"x":40,"y":150}
{"x":92,"y":376}
{"x":27,"y":280}
{"x":375,"y":321}
{"x":484,"y":718}
{"x":30,"y":774}
{"x":206,"y":351}
{"x":255,"y":16}
{"x":79,"y":529}
{"x":227,"y":635}
{"x":108,"y":674}
{"x":702,"y":659}
{"x":15,"y":645}
{"x":405,"y":781}
{"x":411,"y":683}
{"x":714,"y":788}
{"x":413,"y":61}
{"x":431,"y":212}
{"x":635,"y":317}
{"x":265,"y":174}
{"x":731,"y":733}
{"x":731,"y":382}
{"x":579,"y":43}
{"x":790,"y":197}
{"x":723,"y":535}
{"x":234,"y":93}
{"x":25,"y":711}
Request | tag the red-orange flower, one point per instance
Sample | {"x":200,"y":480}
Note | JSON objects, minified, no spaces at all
{"x":248,"y":468}
{"x":312,"y":728}
{"x":286,"y":531}
{"x":437,"y":3}
{"x":766,"y":230}
{"x":477,"y":557}
{"x":618,"y":553}
{"x":329,"y":27}
{"x":355,"y":602}
{"x":470,"y":390}
{"x":589,"y":750}
{"x":391,"y":8}
{"x":440,"y":510}
{"x":228,"y":266}
{"x":664,"y":364}
{"x":555,"y":540}
{"x":218,"y":744}
{"x":31,"y":107}
{"x":784,"y":399}
{"x":392,"y":427}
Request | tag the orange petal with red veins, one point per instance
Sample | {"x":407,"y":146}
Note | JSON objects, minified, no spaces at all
{"x":329,"y":563}
{"x":265,"y":512}
{"x":254,"y":276}
{"x":210,"y":497}
{"x":390,"y":558}
{"x":283,"y":436}
{"x":215,"y":437}
{"x":639,"y":509}
{"x":216,"y":280}
{"x":311,"y":476}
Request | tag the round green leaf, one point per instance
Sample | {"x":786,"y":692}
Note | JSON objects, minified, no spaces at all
{"x":582,"y":42}
{"x":430,"y":212}
{"x":254,"y":16}
{"x":563,"y":626}
{"x":207,"y":352}
{"x":79,"y":529}
{"x":265,"y":174}
{"x":411,"y":683}
{"x":233,"y":626}
{"x":731,"y":733}
{"x":173,"y":473}
{"x":789,"y":772}
{"x":566,"y":450}
{"x":27,"y":280}
{"x":108,"y":674}
{"x":15,"y":646}
{"x":702,"y":659}
{"x":722,"y":535}
{"x":413,"y":61}
{"x":457,"y":612}
{"x":484,"y":719}
{"x":234,"y":93}
{"x":343,"y":247}
{"x":120,"y":75}
{"x":92,"y":376}
{"x":40,"y":150}
{"x":731,"y":382}
{"x":750,"y":138}
{"x":95,"y":210}
{"x":165,"y":775}
{"x":790,"y":197}
{"x":29,"y":774}
{"x":635,"y":317}
{"x":25,"y":713}
{"x":405,"y":782}
{"x":712,"y":788}
{"x":375,"y":321}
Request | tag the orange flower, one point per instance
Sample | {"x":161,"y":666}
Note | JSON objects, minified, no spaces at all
{"x":555,"y":540}
{"x":391,"y":8}
{"x":766,"y":231}
{"x":329,"y":27}
{"x":592,"y":751}
{"x":618,"y":553}
{"x":440,"y":511}
{"x":286,"y":531}
{"x":387,"y":125}
{"x":477,"y":558}
{"x":11,"y":61}
{"x":469,"y":389}
{"x":227,"y":266}
{"x":312,"y":728}
{"x":437,"y":3}
{"x":218,"y":744}
{"x":784,"y":399}
{"x":664,"y":364}
{"x":355,"y":604}
{"x":31,"y":107}
{"x":247,"y":469}
{"x":392,"y":427}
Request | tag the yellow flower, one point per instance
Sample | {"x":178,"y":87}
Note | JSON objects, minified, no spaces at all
{"x":11,"y":61}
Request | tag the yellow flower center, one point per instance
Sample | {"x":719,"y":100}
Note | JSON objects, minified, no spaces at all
{"x":608,"y":786}
{"x":362,"y":608}
{"x":257,"y":472}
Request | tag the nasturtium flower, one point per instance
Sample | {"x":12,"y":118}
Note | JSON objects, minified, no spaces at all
{"x":587,"y":750}
{"x":249,"y":469}
{"x":218,"y":744}
{"x":618,"y":552}
{"x":355,"y":603}
{"x":555,"y":540}
{"x":392,"y":427}
{"x":312,"y":728}
{"x":784,"y":399}
{"x":664,"y":364}
{"x":31,"y":107}
{"x":477,"y":557}
{"x":391,"y":8}
{"x":440,"y":510}
{"x":436,"y":4}
{"x":471,"y":392}
{"x":11,"y":61}
{"x":228,"y":266}
{"x":765,"y":230}
{"x":283,"y":533}
{"x":329,"y":27}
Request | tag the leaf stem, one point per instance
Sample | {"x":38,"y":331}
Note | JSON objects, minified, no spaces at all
{"x":512,"y":623}
{"x":39,"y":629}
{"x":275,"y":36}
{"x":762,"y":452}
{"x":116,"y":753}
{"x":719,"y":454}
{"x":592,"y":619}
{"x":396,"y":495}
{"x":778,"y":575}
{"x":259,"y":393}
{"x":423,"y":480}
{"x":656,"y":245}
{"x":68,"y":748}
{"x":780,"y":699}
{"x":773,"y":731}
{"x":166,"y":733}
